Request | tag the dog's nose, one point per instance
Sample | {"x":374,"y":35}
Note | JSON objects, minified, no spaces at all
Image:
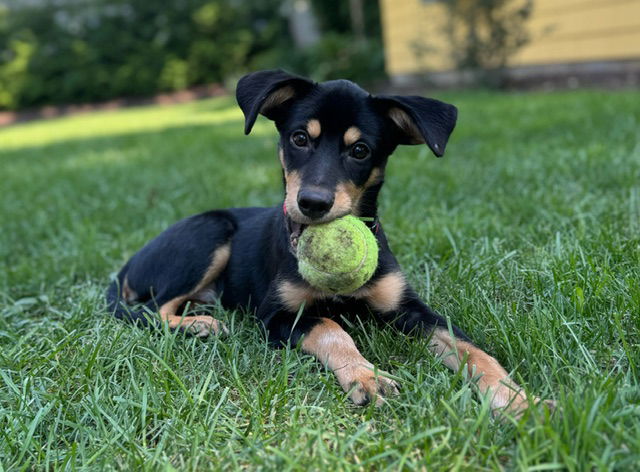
{"x":315,"y":203}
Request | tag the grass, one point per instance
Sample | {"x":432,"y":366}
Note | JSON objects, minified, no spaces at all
{"x":527,"y":235}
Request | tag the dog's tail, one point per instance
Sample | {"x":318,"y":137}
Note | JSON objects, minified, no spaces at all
{"x":140,"y":314}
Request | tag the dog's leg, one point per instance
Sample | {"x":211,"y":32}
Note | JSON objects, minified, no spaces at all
{"x":200,"y":326}
{"x":332,"y":346}
{"x":324,"y":339}
{"x":398,"y":303}
{"x":178,"y":280}
{"x":492,"y":379}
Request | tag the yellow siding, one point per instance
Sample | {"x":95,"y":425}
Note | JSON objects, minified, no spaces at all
{"x":561,"y":32}
{"x":407,"y":23}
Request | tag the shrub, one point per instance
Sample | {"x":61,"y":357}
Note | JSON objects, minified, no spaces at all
{"x":485,"y":34}
{"x":340,"y":55}
{"x":75,"y":51}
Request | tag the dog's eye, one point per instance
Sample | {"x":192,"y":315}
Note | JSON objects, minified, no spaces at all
{"x":360,"y":151}
{"x":300,"y":138}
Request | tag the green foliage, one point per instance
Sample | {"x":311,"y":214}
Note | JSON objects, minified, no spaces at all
{"x":76,"y":51}
{"x":527,"y":235}
{"x":54,"y":52}
{"x":14,"y":72}
{"x":334,"y":15}
{"x":339,"y":56}
{"x":484,"y":34}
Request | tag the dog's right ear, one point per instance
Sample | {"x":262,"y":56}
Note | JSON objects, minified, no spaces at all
{"x":268,"y":92}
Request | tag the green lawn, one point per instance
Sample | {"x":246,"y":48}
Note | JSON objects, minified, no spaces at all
{"x":526,"y":235}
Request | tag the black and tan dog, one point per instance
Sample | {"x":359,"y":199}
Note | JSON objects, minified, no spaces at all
{"x":335,"y":139}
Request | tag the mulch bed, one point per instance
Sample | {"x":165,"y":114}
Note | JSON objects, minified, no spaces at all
{"x":196,"y":93}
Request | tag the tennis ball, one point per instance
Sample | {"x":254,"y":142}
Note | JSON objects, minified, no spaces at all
{"x":337,"y":257}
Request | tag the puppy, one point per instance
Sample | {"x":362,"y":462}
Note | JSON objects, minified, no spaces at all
{"x":335,"y":139}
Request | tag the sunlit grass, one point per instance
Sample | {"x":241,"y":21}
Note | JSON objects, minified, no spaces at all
{"x":527,"y":235}
{"x":119,"y":123}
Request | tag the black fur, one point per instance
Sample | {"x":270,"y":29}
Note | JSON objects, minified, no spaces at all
{"x":435,"y":120}
{"x":254,"y":89}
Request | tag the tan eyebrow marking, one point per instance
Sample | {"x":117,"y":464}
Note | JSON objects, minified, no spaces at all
{"x":351,"y":135}
{"x":313,"y":128}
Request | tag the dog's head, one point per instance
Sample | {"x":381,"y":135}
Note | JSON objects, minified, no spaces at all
{"x":335,"y":138}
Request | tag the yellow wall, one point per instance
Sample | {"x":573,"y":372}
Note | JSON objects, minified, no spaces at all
{"x":562,"y":31}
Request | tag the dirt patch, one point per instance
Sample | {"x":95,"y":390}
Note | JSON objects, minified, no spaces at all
{"x":196,"y":93}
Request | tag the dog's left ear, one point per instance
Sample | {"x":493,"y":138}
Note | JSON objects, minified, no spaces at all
{"x":421,"y":120}
{"x":267,"y":92}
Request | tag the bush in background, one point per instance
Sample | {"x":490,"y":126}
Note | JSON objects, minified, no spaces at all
{"x":76,"y":51}
{"x":69,"y":51}
{"x":485,"y":34}
{"x":340,"y":56}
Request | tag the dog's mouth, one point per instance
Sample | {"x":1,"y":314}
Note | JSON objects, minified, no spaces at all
{"x":295,"y":230}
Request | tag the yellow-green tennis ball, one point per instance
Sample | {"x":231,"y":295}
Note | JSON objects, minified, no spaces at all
{"x":337,"y":257}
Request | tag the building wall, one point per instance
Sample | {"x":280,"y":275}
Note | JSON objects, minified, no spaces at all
{"x":562,"y":31}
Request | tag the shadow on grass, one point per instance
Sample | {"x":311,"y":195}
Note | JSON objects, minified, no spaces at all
{"x":70,"y":207}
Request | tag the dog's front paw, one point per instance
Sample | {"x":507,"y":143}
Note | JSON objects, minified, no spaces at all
{"x":550,"y":405}
{"x":518,"y":403}
{"x":202,"y":326}
{"x":364,"y":386}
